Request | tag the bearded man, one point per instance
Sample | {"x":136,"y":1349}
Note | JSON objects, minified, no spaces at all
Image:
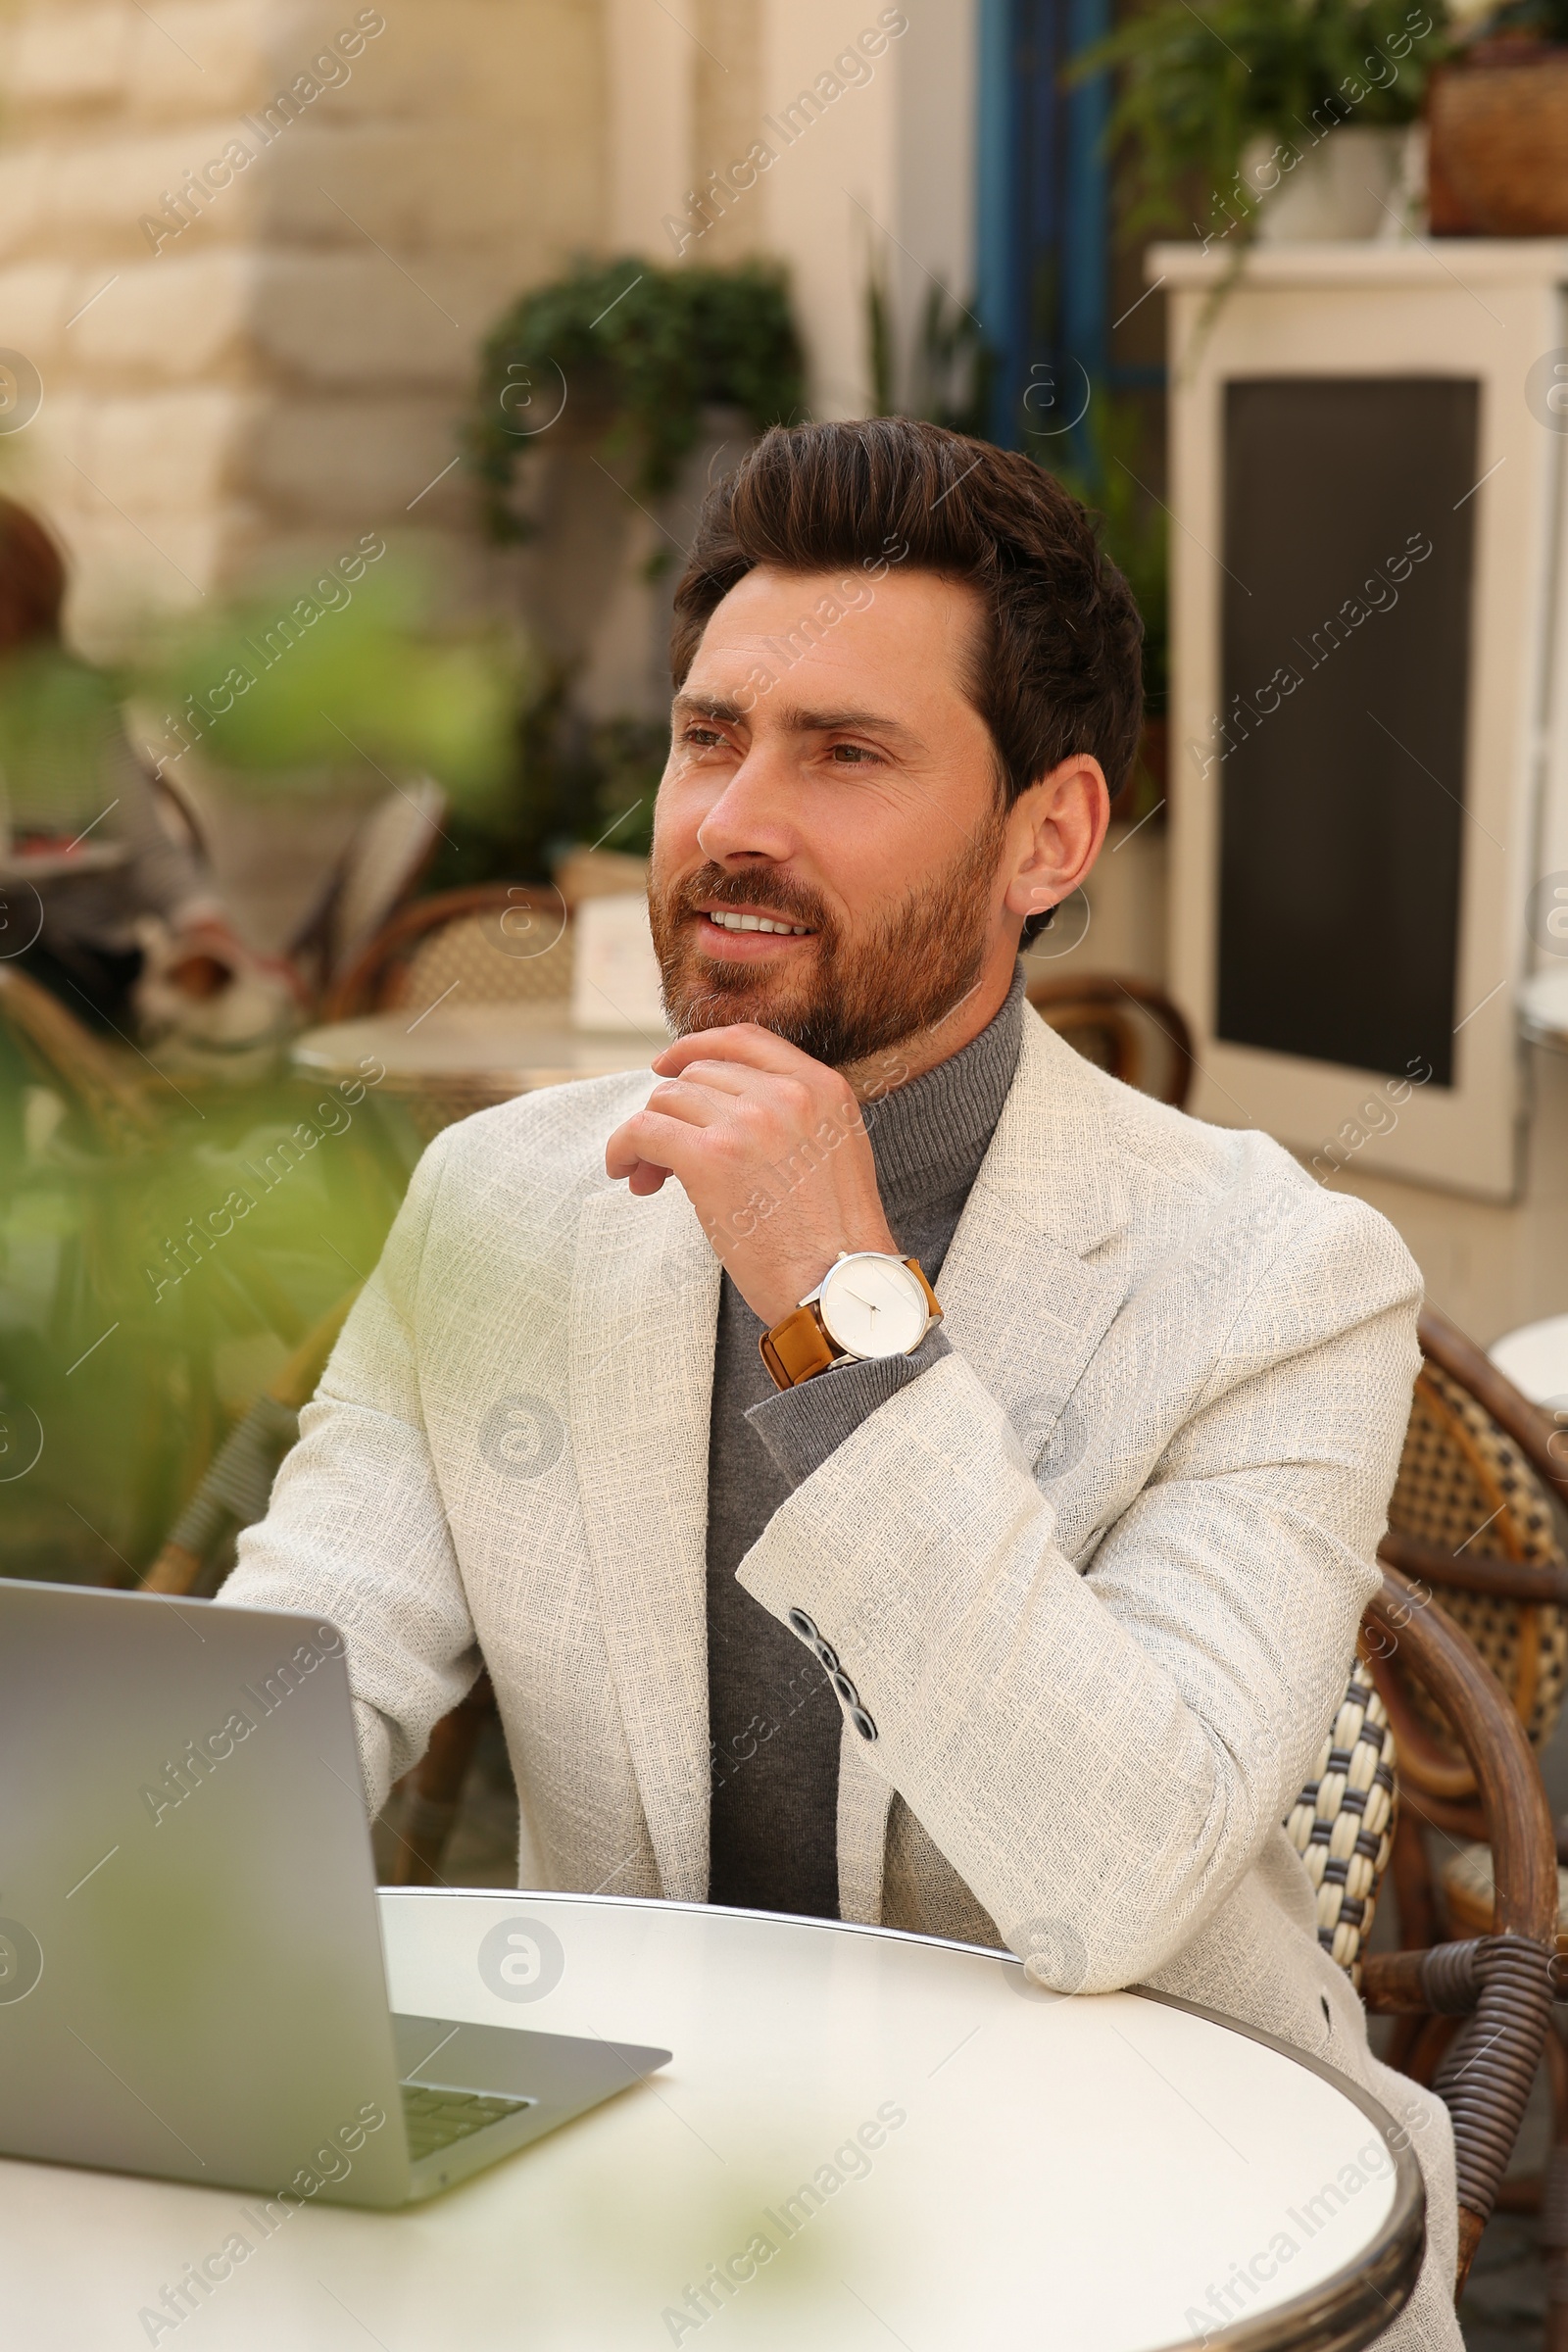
{"x":892,"y":1472}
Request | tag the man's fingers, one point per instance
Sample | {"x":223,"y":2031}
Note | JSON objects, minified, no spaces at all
{"x":719,"y":1077}
{"x":745,"y":1042}
{"x":699,"y":1098}
{"x":652,"y":1138}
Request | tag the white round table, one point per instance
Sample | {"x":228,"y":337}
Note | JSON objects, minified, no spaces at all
{"x":508,"y":1048}
{"x":1535,"y":1358}
{"x":863,"y":2140}
{"x":1543,"y":1007}
{"x":63,"y":864}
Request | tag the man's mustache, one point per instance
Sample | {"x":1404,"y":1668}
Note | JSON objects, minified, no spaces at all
{"x":776,"y":894}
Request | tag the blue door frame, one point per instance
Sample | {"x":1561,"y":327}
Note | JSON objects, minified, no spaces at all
{"x":1043,"y":268}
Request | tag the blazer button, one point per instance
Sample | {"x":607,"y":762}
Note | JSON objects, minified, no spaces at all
{"x":827,"y":1655}
{"x":862,"y":1723}
{"x":845,"y":1688}
{"x":800,"y":1623}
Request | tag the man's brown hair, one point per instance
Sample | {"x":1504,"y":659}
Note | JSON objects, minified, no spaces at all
{"x":1059,"y":666}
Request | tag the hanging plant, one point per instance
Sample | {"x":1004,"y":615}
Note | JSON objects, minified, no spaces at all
{"x":638,"y":353}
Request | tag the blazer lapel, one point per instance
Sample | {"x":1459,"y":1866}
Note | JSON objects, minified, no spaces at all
{"x":1023,"y":1305}
{"x":1022,"y":1296}
{"x":643,"y":1317}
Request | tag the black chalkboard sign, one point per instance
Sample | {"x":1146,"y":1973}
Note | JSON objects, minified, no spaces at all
{"x":1339,"y":750}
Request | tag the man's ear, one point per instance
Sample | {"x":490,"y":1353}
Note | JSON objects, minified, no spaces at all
{"x":1055,"y":833}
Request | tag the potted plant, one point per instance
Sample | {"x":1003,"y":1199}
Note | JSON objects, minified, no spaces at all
{"x":1279,"y":119}
{"x":637,"y":358}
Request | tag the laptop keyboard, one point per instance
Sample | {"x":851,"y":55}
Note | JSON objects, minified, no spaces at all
{"x":436,"y":2119}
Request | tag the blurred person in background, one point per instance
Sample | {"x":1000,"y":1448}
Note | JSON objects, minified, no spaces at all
{"x":70,"y":781}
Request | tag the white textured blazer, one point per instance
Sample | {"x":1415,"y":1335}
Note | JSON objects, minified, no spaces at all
{"x":1097,"y":1575}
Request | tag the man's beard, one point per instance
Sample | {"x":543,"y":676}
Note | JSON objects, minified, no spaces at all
{"x":847,"y":999}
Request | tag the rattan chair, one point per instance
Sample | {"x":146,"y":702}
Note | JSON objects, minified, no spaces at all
{"x":495,"y":943}
{"x":1124,"y":1026}
{"x":1341,"y":1824}
{"x":390,"y":851}
{"x":1499,"y":1978}
{"x":1475,"y":1521}
{"x":498,"y":943}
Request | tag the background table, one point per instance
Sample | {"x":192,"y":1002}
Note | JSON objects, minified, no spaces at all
{"x":1068,"y":2174}
{"x":60,"y":865}
{"x":458,"y":1059}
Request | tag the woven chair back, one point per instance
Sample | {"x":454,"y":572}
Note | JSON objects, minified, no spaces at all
{"x":1465,"y":1488}
{"x":1342,"y":1825}
{"x":485,"y":962}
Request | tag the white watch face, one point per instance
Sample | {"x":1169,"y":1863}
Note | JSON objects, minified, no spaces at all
{"x":873,"y":1305}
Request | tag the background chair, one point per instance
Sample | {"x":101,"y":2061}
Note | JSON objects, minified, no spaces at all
{"x":1499,"y":1980}
{"x":1475,"y":1518}
{"x":1122,"y":1025}
{"x":390,"y":850}
{"x":497,"y":942}
{"x":1477,"y":1523}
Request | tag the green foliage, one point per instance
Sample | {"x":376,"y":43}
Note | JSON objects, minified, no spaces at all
{"x":1196,"y":87}
{"x":331,"y":678}
{"x":572,"y":780}
{"x":148,"y":1289}
{"x":953,"y":364}
{"x":1105,"y":477}
{"x":639,"y":353}
{"x":57,"y":724}
{"x":1536,"y":19}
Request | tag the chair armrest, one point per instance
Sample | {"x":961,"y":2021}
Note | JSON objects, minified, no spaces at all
{"x":1474,"y":1572}
{"x":1503,"y":1979}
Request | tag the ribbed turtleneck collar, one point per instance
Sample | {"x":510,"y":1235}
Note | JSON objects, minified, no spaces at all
{"x":928,"y":1138}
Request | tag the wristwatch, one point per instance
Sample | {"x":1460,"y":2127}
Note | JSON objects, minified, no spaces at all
{"x":867,"y":1303}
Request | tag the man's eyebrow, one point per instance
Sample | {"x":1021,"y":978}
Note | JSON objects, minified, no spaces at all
{"x":801,"y":722}
{"x":721,"y":706}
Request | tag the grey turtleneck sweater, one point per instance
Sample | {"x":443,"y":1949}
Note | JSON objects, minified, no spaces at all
{"x":773,"y":1721}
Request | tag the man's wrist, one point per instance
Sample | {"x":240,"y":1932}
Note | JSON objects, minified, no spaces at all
{"x":807,"y":1276}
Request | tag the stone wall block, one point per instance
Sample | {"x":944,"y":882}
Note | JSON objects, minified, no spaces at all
{"x":449,"y":187}
{"x":173,"y":321}
{"x":311,"y":463}
{"x":354,"y":318}
{"x":150,"y":529}
{"x":189,"y":57}
{"x":171,"y":453}
{"x":63,"y":61}
{"x":26,"y":181}
{"x":68,"y":57}
{"x":34,"y":305}
{"x":472,"y":59}
{"x":89,"y":199}
{"x":271,"y":379}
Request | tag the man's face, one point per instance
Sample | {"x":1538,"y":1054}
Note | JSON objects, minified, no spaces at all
{"x":828,"y":775}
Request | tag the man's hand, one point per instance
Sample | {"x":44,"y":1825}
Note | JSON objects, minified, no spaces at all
{"x":772,"y":1152}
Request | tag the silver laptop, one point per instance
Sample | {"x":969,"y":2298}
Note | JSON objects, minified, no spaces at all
{"x":192,"y":1978}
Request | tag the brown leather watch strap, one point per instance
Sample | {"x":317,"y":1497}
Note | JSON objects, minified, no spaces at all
{"x":799,"y":1348}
